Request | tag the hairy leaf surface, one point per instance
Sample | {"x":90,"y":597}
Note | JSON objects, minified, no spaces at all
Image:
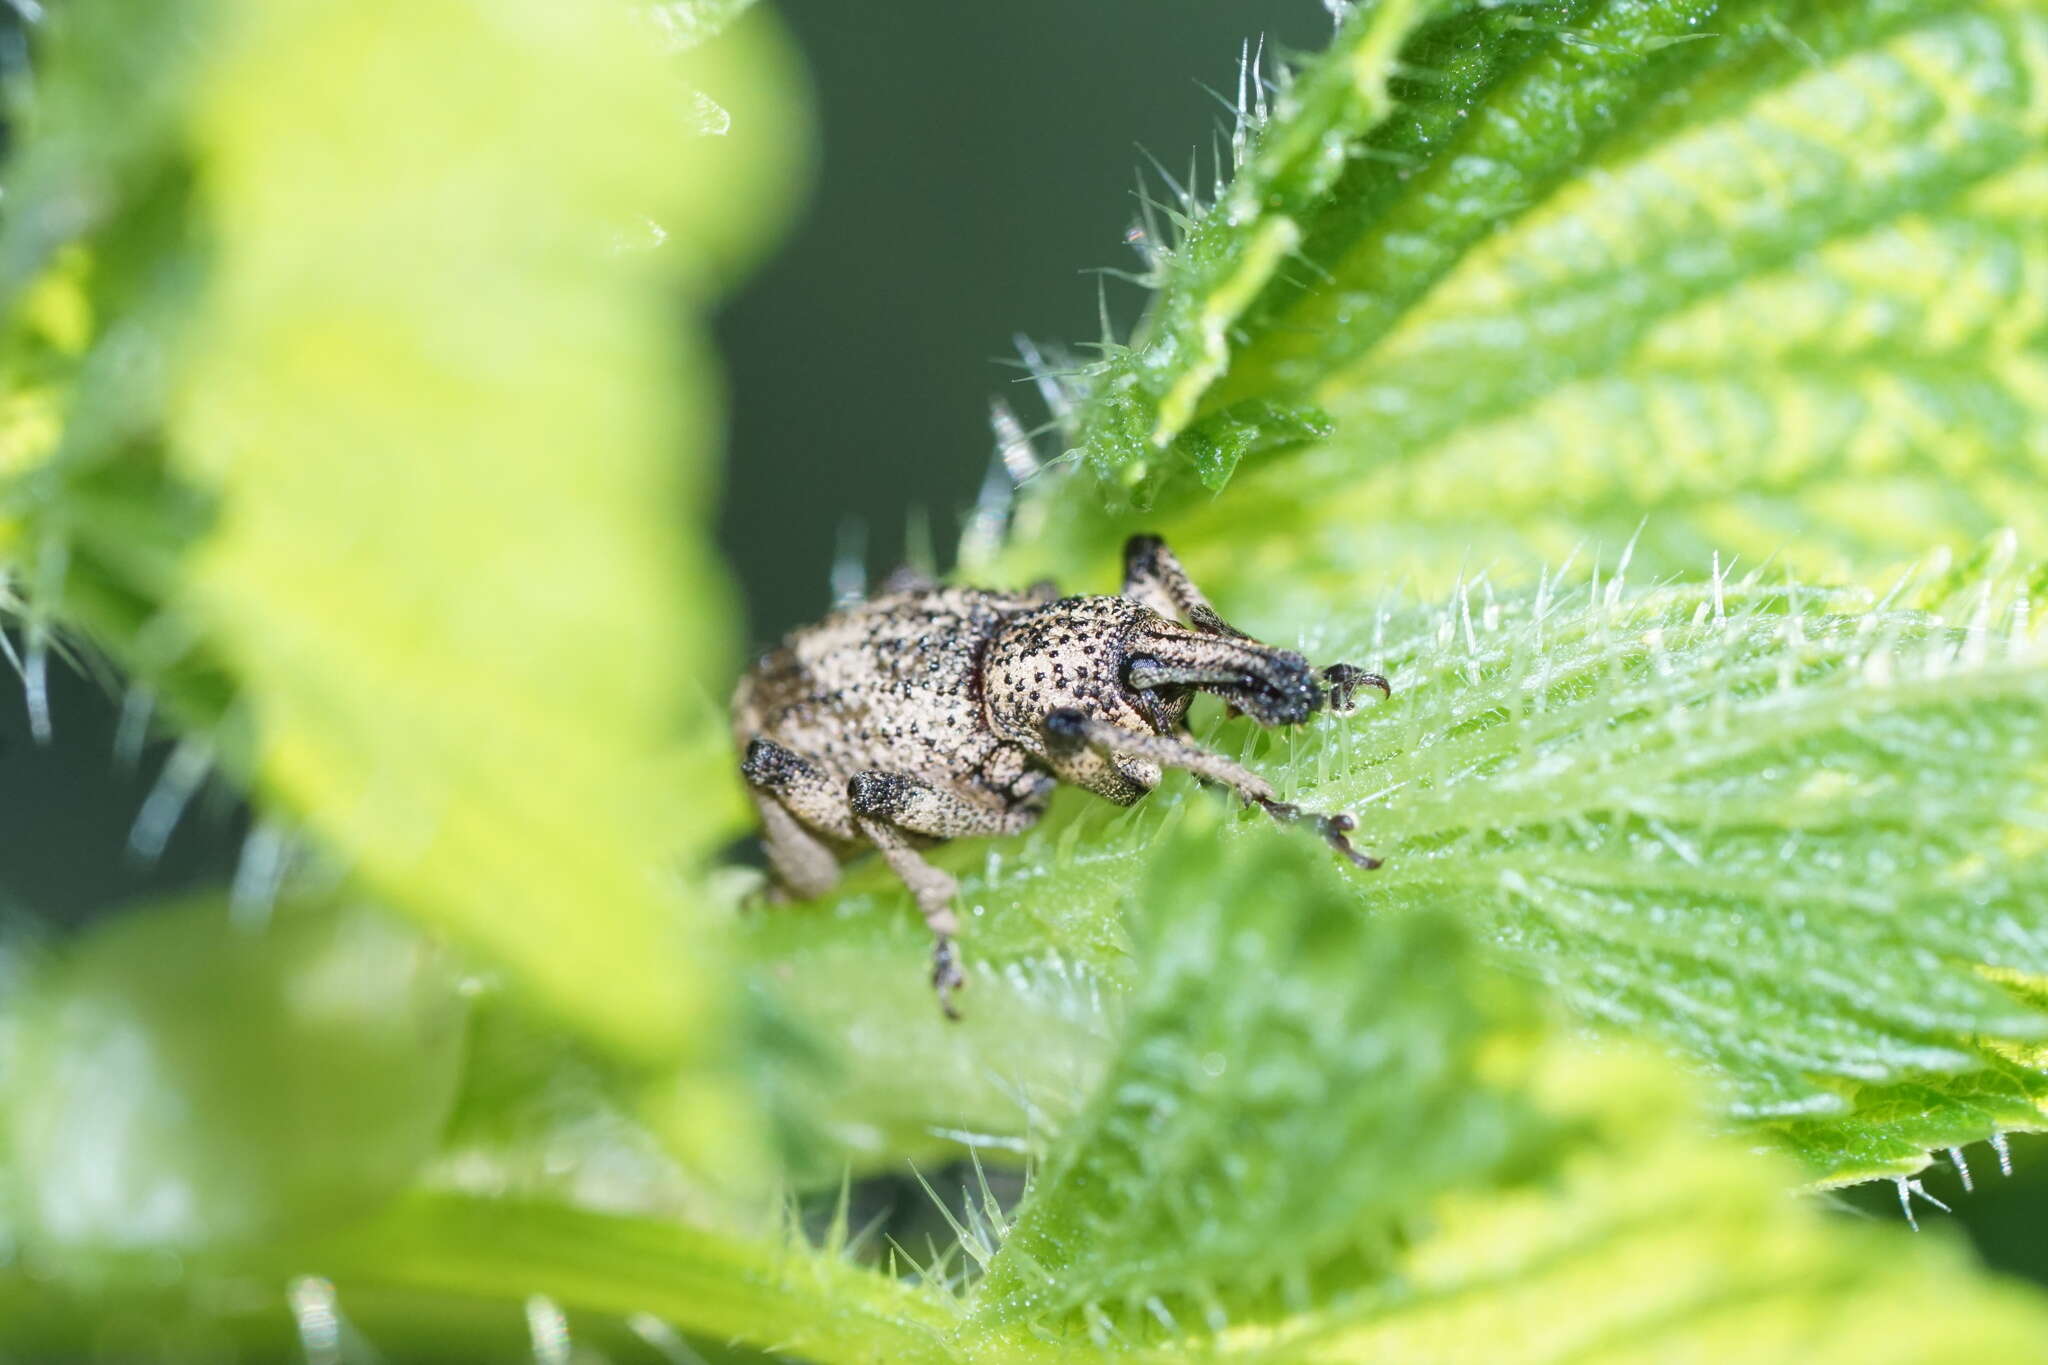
{"x":1794,"y":833}
{"x":1722,"y":278}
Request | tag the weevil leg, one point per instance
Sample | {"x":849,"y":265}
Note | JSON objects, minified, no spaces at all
{"x":922,"y":808}
{"x":1154,"y":576}
{"x":934,"y":891}
{"x":888,"y":808}
{"x":1067,"y":731}
{"x":805,"y":866}
{"x":798,"y":803}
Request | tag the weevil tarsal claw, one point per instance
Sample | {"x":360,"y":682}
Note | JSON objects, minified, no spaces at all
{"x":1343,"y":681}
{"x":946,"y":975}
{"x":1335,"y":829}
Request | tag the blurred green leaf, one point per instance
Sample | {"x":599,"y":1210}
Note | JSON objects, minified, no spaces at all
{"x":179,"y":1083}
{"x":1329,"y":1133}
{"x":439,"y":409}
{"x":407,"y":520}
{"x":1293,"y":1082}
{"x":75,"y":164}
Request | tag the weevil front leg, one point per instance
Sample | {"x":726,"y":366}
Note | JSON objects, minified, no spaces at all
{"x":1153,"y":575}
{"x":1068,"y":731}
{"x":888,"y":808}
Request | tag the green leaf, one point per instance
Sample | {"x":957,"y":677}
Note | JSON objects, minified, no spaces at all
{"x":437,"y":1278}
{"x":177,"y":1082}
{"x":1793,"y":833}
{"x":430,"y":398}
{"x":1673,"y":287}
{"x":77,"y":167}
{"x":404,"y":509}
{"x":792,"y":1298}
{"x":1328,"y":1134}
{"x":1725,"y":279}
{"x":1282,"y":1056}
{"x":1404,"y":1164}
{"x":1147,"y":394}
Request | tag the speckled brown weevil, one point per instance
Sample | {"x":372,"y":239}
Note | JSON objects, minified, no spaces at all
{"x":927,"y":712}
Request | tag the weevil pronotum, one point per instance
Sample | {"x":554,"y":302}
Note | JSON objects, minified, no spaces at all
{"x":927,"y":712}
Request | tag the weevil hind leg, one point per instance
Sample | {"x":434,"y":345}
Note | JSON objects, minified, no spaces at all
{"x":804,"y":866}
{"x":934,"y":890}
{"x":802,"y":811}
{"x":1068,"y":731}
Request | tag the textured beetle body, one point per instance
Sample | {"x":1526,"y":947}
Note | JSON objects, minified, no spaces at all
{"x":892,"y":684}
{"x":928,"y":713}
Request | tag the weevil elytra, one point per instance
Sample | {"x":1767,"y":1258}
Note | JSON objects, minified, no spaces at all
{"x":927,"y":713}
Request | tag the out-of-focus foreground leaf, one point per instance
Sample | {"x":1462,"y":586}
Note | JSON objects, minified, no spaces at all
{"x":1282,"y":1166}
{"x":404,"y":514}
{"x":177,"y":1082}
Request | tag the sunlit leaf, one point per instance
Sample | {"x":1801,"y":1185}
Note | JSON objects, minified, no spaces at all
{"x":395,"y":490}
{"x":1727,"y":279}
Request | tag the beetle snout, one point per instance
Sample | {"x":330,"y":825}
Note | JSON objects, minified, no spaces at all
{"x":1272,"y":686}
{"x":1281,"y":692}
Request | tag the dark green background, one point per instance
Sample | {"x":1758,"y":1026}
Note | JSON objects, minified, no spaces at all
{"x":976,"y":161}
{"x":977,"y":166}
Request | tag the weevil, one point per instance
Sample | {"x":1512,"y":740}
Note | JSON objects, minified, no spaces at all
{"x":927,"y":713}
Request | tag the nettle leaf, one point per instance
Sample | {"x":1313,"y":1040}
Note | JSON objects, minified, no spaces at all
{"x":1724,"y":278}
{"x":431,"y":396}
{"x":1675,"y":287}
{"x":1282,"y":1055}
{"x":1793,"y":833}
{"x":1284,"y":1164}
{"x":1328,"y":1133}
{"x":180,"y":1082}
{"x":384,"y":466}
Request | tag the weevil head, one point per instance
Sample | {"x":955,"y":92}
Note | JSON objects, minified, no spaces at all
{"x":1118,"y":661}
